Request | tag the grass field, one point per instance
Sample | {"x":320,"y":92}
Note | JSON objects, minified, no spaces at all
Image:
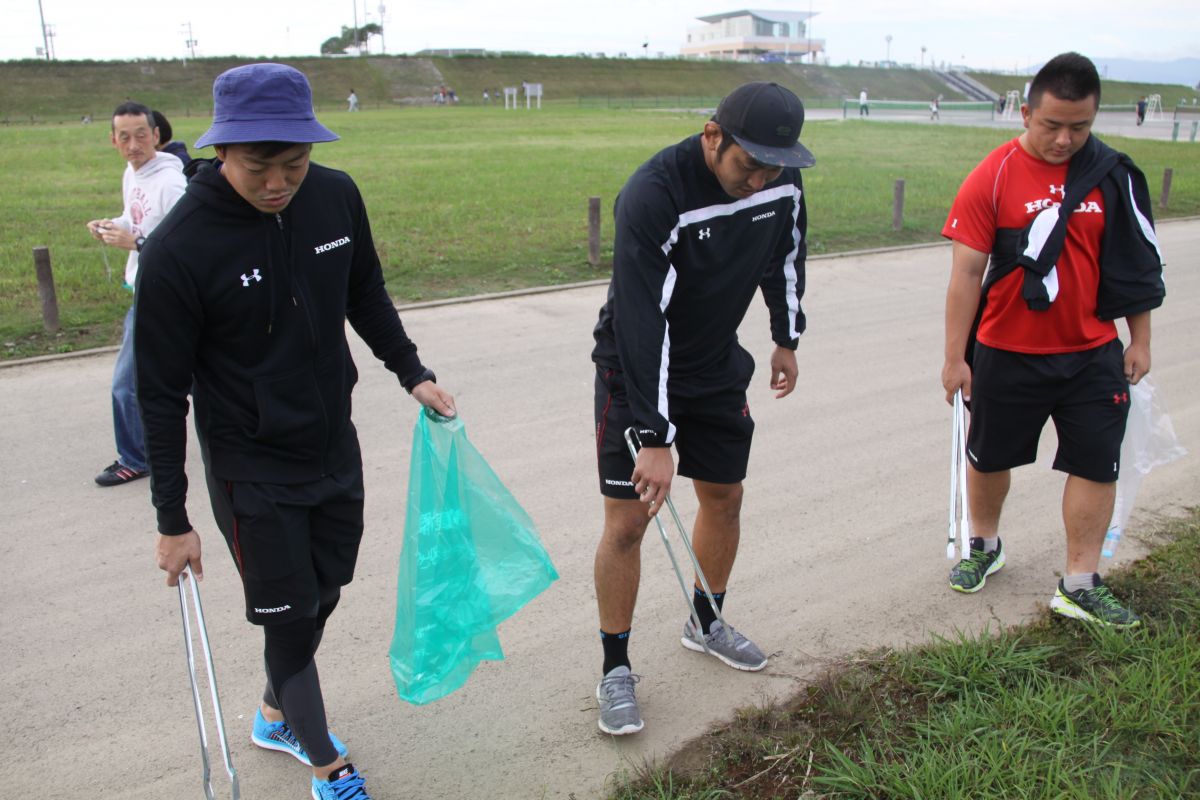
{"x":466,"y":200}
{"x":1055,"y":710}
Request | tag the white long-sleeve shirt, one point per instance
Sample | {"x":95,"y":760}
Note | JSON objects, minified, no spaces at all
{"x":149,"y":192}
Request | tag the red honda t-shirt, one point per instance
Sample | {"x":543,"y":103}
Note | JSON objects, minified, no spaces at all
{"x":1007,"y":190}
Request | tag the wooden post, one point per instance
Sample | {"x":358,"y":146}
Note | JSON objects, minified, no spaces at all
{"x":45,"y":279}
{"x":898,"y":205}
{"x":594,"y":231}
{"x":1166,"y":192}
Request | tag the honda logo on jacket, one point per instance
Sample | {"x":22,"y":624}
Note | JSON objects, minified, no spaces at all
{"x":325,"y":248}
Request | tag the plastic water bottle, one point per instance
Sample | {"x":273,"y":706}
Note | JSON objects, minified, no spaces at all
{"x":1111,"y":540}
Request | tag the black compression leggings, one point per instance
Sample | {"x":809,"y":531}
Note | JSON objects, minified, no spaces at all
{"x":293,"y":685}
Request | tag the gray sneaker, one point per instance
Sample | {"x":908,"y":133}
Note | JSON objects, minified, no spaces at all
{"x":619,"y":713}
{"x":726,"y":644}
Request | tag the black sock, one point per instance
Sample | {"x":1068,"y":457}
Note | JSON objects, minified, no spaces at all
{"x":616,"y":650}
{"x":704,"y":610}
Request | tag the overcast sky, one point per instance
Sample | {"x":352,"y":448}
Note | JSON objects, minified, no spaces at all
{"x":984,"y":34}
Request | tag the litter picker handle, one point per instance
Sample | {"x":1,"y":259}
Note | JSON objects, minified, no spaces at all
{"x":955,"y":451}
{"x":187,"y":579}
{"x":964,"y":530}
{"x":632,"y":442}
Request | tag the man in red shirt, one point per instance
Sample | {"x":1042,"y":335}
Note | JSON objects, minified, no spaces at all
{"x":1066,"y":223}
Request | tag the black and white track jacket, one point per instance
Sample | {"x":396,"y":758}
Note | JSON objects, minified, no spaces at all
{"x":687,"y":261}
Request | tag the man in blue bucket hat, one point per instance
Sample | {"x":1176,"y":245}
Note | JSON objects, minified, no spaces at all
{"x":243,"y":296}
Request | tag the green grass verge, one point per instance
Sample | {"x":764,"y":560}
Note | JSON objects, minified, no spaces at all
{"x":1055,"y":709}
{"x":466,"y":200}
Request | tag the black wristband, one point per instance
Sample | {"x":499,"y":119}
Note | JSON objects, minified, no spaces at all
{"x":415,"y":381}
{"x":138,"y":242}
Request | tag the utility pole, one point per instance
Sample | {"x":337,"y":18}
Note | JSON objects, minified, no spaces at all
{"x":190,"y":43}
{"x":45,"y":37}
{"x":382,"y":41}
{"x":354,"y":3}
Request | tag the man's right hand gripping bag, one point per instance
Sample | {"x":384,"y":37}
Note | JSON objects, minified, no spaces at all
{"x":471,"y":559}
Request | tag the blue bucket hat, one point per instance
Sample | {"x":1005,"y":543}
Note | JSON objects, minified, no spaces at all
{"x":263,"y":103}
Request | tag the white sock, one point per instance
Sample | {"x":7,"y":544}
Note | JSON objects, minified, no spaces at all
{"x":1073,"y":583}
{"x":991,"y":544}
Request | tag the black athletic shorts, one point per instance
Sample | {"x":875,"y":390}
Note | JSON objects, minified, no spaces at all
{"x":712,"y":435}
{"x":1085,"y":393}
{"x":293,"y":544}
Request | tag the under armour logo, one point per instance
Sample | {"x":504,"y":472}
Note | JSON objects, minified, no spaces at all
{"x":1120,"y":397}
{"x":705,"y":233}
{"x":253,"y":276}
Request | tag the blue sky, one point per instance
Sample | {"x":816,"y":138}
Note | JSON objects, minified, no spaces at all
{"x":983,"y":35}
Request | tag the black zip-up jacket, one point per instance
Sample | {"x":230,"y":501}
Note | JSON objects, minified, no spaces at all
{"x":687,"y":261}
{"x":247,"y":311}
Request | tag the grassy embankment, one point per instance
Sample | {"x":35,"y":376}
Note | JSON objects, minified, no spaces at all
{"x":1055,"y":710}
{"x":64,"y":91}
{"x":467,"y":200}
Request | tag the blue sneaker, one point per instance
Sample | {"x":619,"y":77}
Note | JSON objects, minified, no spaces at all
{"x":345,"y":783}
{"x":279,"y":736}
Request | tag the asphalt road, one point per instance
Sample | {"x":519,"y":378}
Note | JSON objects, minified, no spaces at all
{"x":843,"y":549}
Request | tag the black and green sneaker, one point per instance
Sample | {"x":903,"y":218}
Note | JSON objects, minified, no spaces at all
{"x":970,"y":574}
{"x":1097,"y":604}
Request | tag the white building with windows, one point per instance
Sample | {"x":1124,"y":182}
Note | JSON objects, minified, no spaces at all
{"x":754,"y":36}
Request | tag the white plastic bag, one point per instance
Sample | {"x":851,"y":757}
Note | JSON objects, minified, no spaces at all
{"x":1149,"y":442}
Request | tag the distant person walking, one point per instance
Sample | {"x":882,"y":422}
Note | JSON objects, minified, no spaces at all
{"x":166,"y":144}
{"x":700,"y":229}
{"x":935,"y":109}
{"x":152,"y":183}
{"x":1053,"y":240}
{"x":352,"y":100}
{"x":864,"y":106}
{"x":1141,"y":109}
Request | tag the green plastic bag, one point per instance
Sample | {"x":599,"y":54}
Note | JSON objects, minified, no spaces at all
{"x":471,"y":559}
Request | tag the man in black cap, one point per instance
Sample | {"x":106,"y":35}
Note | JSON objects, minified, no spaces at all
{"x":242,"y":301}
{"x":700,"y":228}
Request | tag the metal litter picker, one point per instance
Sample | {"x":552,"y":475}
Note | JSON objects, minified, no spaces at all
{"x":631,"y":441}
{"x":960,"y":515}
{"x":202,"y":630}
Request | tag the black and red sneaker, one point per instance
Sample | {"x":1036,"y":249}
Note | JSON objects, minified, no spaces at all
{"x":117,"y":473}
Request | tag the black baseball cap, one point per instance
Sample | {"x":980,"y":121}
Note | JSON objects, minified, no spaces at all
{"x":765,"y":120}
